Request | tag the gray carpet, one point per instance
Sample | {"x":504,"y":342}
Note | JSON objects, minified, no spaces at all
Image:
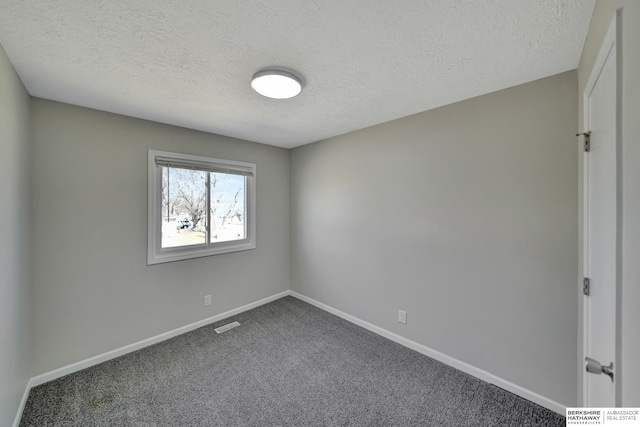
{"x":288,"y":364}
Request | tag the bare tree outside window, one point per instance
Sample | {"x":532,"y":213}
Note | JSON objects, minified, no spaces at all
{"x":198,"y":206}
{"x":184,"y":204}
{"x":227,"y":207}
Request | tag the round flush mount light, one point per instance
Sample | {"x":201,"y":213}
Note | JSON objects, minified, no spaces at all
{"x":276,"y":84}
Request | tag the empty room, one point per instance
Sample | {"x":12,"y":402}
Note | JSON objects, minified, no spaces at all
{"x":319,"y":212}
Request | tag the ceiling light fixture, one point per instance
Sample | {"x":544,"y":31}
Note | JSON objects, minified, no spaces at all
{"x":276,"y":84}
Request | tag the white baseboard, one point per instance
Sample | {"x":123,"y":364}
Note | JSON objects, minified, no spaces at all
{"x":448,"y":360}
{"x":75,"y":367}
{"x":83,"y":364}
{"x":464,"y":367}
{"x":25,"y":395}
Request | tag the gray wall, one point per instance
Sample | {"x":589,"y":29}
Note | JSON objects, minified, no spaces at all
{"x":465,"y":217}
{"x":93,"y":291}
{"x":15,"y":287}
{"x":629,"y":317}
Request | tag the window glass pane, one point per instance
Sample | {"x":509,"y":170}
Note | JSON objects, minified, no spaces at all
{"x":183,"y":207}
{"x":228,"y":214}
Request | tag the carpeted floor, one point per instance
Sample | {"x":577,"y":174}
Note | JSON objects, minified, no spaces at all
{"x":288,"y":364}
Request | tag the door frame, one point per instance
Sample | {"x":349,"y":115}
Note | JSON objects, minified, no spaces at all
{"x":612,"y":40}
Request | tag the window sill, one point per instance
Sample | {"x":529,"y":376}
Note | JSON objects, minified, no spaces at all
{"x":198,"y":252}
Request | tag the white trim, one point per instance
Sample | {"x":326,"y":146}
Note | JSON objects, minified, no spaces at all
{"x":156,"y":254}
{"x":610,"y":46}
{"x":448,"y":360}
{"x":83,"y":364}
{"x":23,"y":402}
{"x":441,"y":357}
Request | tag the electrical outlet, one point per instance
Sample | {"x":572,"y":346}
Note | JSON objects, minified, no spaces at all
{"x":402,"y":316}
{"x":207,"y":300}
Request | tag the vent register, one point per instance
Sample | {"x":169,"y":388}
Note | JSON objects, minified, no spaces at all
{"x":225,"y":328}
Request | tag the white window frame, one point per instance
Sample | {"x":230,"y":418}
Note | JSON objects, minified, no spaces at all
{"x":155,"y":253}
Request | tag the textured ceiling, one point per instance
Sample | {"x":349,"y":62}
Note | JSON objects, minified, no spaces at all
{"x":364,"y":62}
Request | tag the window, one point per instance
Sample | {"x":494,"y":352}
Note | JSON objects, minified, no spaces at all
{"x":199,"y":206}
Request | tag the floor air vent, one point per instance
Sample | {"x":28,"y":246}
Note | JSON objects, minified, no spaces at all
{"x":225,"y":328}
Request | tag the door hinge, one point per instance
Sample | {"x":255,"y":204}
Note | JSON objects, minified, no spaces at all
{"x":586,"y":286}
{"x":587,"y":140}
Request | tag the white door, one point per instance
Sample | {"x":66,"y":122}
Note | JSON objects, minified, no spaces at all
{"x":601,"y":226}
